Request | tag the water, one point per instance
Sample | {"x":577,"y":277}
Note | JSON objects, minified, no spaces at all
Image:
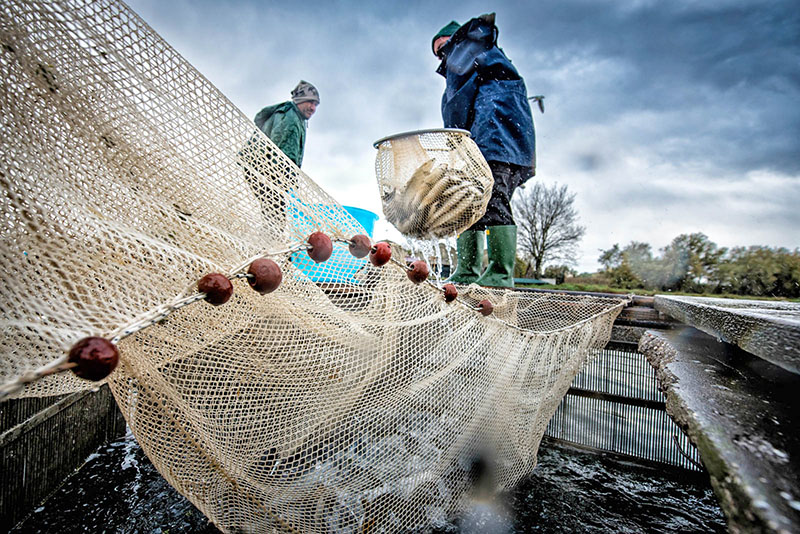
{"x":431,"y":251}
{"x":119,"y":491}
{"x":573,"y":491}
{"x":116,"y":491}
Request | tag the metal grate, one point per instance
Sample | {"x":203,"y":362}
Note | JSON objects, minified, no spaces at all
{"x":614,"y":405}
{"x":43,"y":440}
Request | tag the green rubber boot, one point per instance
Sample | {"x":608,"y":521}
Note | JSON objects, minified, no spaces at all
{"x":470,"y":257}
{"x":502,"y":242}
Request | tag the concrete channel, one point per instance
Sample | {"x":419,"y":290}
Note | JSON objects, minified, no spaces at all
{"x":671,"y":389}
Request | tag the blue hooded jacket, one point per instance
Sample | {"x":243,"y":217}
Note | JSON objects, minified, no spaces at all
{"x":486,"y":95}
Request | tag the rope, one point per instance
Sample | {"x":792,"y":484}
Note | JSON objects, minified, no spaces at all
{"x":160,"y":313}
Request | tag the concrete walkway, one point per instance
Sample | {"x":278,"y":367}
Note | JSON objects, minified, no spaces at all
{"x":767,"y":329}
{"x":741,"y":411}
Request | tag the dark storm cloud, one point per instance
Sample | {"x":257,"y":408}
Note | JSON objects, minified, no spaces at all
{"x":731,"y":69}
{"x":660,"y":195}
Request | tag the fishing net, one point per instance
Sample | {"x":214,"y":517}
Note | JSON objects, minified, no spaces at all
{"x":348,"y":399}
{"x":433,"y":183}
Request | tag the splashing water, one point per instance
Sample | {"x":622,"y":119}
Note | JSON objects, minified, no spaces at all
{"x":569,"y":491}
{"x":431,"y":250}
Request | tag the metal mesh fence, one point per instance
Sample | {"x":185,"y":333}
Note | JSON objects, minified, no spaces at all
{"x":614,"y":404}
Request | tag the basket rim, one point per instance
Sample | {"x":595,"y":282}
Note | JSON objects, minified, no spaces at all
{"x":419,"y":132}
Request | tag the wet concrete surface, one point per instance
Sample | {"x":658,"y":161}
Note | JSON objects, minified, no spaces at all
{"x":119,"y":491}
{"x":767,"y":329}
{"x":743,"y":414}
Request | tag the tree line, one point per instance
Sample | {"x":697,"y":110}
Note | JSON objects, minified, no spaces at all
{"x":694,"y":264}
{"x":549,"y":233}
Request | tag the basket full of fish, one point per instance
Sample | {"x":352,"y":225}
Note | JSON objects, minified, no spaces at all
{"x":433,"y":183}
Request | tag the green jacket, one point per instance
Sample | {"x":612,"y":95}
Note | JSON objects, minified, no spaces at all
{"x":284,"y":124}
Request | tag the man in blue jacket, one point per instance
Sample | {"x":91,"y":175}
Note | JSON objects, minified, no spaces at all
{"x":485,"y":94}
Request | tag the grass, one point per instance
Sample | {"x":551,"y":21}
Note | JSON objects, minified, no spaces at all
{"x":600,"y":288}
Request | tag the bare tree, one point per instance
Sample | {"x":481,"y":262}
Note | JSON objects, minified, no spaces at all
{"x":547,"y":225}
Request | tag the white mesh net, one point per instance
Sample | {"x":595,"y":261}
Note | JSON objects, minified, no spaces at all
{"x":434,"y":183}
{"x":349,"y":399}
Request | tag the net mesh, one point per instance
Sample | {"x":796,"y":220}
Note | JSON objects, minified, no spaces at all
{"x":349,"y":399}
{"x":433,"y":184}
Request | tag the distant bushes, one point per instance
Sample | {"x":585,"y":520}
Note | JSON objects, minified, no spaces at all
{"x":692,"y":263}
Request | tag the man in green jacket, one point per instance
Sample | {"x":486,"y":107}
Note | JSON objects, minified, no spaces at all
{"x":285,"y":123}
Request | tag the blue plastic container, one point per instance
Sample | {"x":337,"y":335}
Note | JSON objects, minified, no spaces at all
{"x":365,"y":217}
{"x":341,"y":266}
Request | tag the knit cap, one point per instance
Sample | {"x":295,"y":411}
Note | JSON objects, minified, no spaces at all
{"x":305,"y":92}
{"x":447,"y":31}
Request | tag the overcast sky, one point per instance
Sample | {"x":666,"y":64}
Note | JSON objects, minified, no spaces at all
{"x":664,"y":117}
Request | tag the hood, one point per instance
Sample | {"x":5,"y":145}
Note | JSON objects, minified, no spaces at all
{"x":470,"y":41}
